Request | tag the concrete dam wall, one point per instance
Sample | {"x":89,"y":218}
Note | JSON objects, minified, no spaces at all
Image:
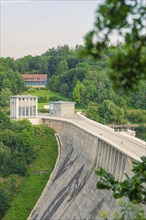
{"x":71,"y":192}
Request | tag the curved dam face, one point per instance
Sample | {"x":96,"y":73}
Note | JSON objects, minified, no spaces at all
{"x":71,"y":192}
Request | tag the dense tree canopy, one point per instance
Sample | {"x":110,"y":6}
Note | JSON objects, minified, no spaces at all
{"x":83,"y":80}
{"x":15,"y":145}
{"x":11,"y":81}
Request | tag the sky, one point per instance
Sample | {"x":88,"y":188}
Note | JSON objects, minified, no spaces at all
{"x":31,"y":27}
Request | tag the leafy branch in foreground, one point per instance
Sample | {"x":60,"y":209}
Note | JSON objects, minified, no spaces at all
{"x":126,"y":20}
{"x":129,"y":211}
{"x":132,"y":187}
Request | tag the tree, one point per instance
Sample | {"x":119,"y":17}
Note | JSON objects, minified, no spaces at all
{"x":92,"y":111}
{"x":79,"y":93}
{"x":129,"y":211}
{"x":4,"y":202}
{"x":44,"y":64}
{"x":136,"y":116}
{"x":10,"y":79}
{"x":23,"y":63}
{"x":53,"y":61}
{"x":111,"y":113}
{"x":2,"y":77}
{"x":128,"y":61}
{"x":21,"y":125}
{"x":10,"y":63}
{"x":90,"y":91}
{"x":62,"y":67}
{"x":4,"y":120}
{"x":20,"y":84}
{"x":132,"y":187}
{"x":5,"y":97}
{"x":6,"y":83}
{"x":54,"y":83}
{"x":8,"y":137}
{"x":64,"y":89}
{"x":4,"y":159}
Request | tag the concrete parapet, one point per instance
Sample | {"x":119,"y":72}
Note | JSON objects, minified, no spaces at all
{"x":35,"y":121}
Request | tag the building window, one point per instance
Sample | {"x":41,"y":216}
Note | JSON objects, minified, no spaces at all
{"x":26,"y":111}
{"x":19,"y":111}
{"x":30,"y":111}
{"x":34,"y":110}
{"x":23,"y":111}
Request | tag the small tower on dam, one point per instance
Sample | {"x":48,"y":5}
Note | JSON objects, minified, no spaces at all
{"x":23,"y":106}
{"x":62,"y":108}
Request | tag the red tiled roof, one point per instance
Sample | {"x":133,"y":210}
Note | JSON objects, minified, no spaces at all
{"x":35,"y":77}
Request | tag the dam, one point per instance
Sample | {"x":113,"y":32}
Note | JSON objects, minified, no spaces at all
{"x":85,"y":145}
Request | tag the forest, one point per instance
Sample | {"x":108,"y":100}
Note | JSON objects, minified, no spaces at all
{"x":83,"y":80}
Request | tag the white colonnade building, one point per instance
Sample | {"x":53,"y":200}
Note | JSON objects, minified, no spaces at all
{"x":23,"y":106}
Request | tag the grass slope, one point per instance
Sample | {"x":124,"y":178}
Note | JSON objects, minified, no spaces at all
{"x":39,"y":171}
{"x":45,"y":92}
{"x":51,"y":96}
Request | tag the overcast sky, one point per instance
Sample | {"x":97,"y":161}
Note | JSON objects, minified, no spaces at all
{"x":30,"y":27}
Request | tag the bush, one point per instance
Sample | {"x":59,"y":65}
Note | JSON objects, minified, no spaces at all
{"x":136,"y":116}
{"x":42,"y":99}
{"x":4,"y":202}
{"x":54,"y":98}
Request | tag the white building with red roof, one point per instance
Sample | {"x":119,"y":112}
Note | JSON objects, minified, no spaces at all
{"x":35,"y":80}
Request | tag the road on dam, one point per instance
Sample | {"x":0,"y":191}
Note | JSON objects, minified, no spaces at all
{"x":85,"y":145}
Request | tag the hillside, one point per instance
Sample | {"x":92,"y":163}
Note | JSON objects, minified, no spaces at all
{"x":83,"y":80}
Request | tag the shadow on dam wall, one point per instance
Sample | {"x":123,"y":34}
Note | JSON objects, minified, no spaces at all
{"x":71,"y":193}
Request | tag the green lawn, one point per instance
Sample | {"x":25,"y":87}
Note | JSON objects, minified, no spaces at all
{"x":39,"y":172}
{"x":47,"y":93}
{"x":51,"y":96}
{"x":41,"y":106}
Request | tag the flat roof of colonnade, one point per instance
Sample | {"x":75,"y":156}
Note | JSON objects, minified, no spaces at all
{"x":23,"y":96}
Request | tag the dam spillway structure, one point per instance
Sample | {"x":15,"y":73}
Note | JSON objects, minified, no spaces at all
{"x":85,"y":145}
